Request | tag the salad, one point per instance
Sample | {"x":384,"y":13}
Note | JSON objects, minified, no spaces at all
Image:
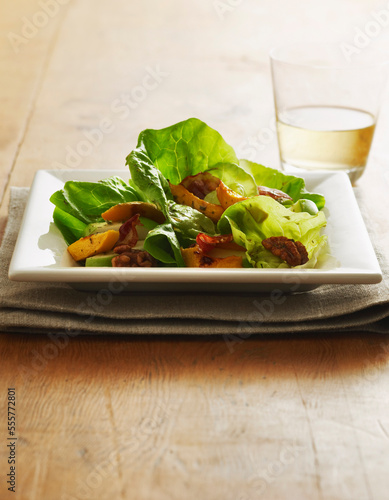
{"x":191,"y":203}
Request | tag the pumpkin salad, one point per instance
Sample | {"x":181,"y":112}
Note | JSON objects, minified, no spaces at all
{"x":191,"y":203}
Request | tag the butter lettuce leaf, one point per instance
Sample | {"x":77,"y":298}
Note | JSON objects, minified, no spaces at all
{"x":186,"y":148}
{"x":236,"y":178}
{"x":255,"y":219}
{"x":289,"y":184}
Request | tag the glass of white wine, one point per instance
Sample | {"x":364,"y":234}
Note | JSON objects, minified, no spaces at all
{"x":327,"y":105}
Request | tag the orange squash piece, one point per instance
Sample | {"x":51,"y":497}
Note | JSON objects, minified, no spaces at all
{"x":227,"y":196}
{"x":93,"y":244}
{"x":184,"y":197}
{"x":124,"y":211}
{"x":194,"y":257}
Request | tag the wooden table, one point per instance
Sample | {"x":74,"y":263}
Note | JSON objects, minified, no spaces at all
{"x":299,"y":417}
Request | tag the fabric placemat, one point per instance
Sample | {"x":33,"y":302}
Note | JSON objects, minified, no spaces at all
{"x":57,"y":308}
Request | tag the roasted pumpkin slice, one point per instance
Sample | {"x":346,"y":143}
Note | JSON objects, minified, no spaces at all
{"x":195,"y":257}
{"x":124,"y":211}
{"x":93,"y":244}
{"x":184,"y":197}
{"x":227,"y":196}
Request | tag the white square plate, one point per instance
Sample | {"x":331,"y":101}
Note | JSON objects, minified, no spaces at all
{"x":40,"y":252}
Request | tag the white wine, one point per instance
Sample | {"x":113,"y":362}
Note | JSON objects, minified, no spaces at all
{"x":324,"y":137}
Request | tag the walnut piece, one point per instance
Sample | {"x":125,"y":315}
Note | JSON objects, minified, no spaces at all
{"x":292,"y":252}
{"x":128,"y":257}
{"x":201,"y":184}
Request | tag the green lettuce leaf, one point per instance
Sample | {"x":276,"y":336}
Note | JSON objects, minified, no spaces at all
{"x":163,"y":245}
{"x":186,"y":148}
{"x":235,"y":178}
{"x":81,"y":203}
{"x":58,"y":199}
{"x":289,"y":184}
{"x":148,"y":179}
{"x":72,"y":229}
{"x":261,"y":217}
{"x":90,"y":199}
{"x":186,"y":221}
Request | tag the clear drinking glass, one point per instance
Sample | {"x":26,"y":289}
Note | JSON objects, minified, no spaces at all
{"x":327,"y":104}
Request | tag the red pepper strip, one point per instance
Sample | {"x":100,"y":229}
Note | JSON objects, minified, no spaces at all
{"x":206,"y":243}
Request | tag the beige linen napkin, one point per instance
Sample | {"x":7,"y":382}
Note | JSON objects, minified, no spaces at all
{"x":60,"y":310}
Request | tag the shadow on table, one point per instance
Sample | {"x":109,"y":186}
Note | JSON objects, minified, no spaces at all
{"x":214,"y":357}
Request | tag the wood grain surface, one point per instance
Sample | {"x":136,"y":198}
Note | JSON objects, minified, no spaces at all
{"x":162,"y":418}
